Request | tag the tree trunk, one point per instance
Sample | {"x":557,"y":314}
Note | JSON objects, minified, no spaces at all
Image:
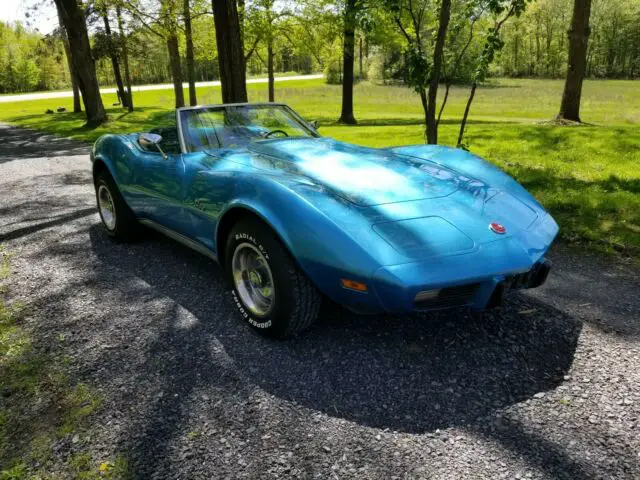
{"x":176,"y":72}
{"x":361,"y":69}
{"x":191,"y":70}
{"x":425,"y":102}
{"x":114,"y":59}
{"x":72,"y":74}
{"x":242,"y":11}
{"x":432,"y":126}
{"x":348,"y":54}
{"x":516,"y":51}
{"x":463,"y":124}
{"x":578,"y":41}
{"x":77,"y":108}
{"x":75,"y":24}
{"x":125,"y":59}
{"x":444,"y":102}
{"x":230,"y":51}
{"x":270,"y":68}
{"x":538,"y":50}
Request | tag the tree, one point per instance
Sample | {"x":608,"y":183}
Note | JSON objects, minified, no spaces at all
{"x":578,"y":40}
{"x":423,"y":70}
{"x":170,"y":20}
{"x":75,"y":24}
{"x":230,"y":51}
{"x":113,"y":55}
{"x":349,"y":19}
{"x":443,"y":23}
{"x":502,"y":10}
{"x":469,"y":15}
{"x":163,"y":24}
{"x":125,"y":57}
{"x":264,"y":24}
{"x":191,"y":74}
{"x":72,"y":74}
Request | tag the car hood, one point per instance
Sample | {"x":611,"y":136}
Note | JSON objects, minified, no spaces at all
{"x":364,"y":176}
{"x":419,"y":206}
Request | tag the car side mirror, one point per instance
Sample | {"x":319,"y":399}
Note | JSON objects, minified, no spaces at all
{"x":148,"y":140}
{"x":315,"y":124}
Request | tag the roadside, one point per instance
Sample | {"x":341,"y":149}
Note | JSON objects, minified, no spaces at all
{"x":547,"y":387}
{"x":23,"y":97}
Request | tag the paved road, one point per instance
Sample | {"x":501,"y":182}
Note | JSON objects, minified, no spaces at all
{"x":141,"y":88}
{"x":548,"y":387}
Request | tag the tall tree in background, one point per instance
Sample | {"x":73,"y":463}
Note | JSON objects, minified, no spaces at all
{"x":124,"y":48}
{"x":502,"y":10}
{"x":113,"y":55}
{"x":443,"y":24}
{"x":230,"y":51}
{"x":466,"y":17}
{"x":578,"y":41}
{"x":349,"y":18}
{"x":423,"y":70}
{"x":266,"y":25}
{"x":163,"y":24}
{"x":188,"y":34}
{"x":170,"y":20}
{"x":75,"y":24}
{"x":72,"y":73}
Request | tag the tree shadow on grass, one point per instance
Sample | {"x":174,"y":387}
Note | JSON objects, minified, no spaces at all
{"x":390,"y":122}
{"x":46,"y":136}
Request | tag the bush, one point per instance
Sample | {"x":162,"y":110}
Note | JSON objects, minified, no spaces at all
{"x":333,"y":72}
{"x":376,"y":72}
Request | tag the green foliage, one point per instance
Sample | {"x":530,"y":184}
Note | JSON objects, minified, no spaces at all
{"x":26,"y":62}
{"x":418,"y":68}
{"x":502,"y":11}
{"x":333,"y":68}
{"x":536,"y":44}
{"x":376,"y":72}
{"x":308,"y":39}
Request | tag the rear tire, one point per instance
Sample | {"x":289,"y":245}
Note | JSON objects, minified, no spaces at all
{"x":271,"y":293}
{"x":117,"y":218}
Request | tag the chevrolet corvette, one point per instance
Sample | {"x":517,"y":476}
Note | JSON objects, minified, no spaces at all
{"x":293,"y":217}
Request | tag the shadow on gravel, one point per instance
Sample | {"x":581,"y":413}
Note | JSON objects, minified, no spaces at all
{"x":57,"y":220}
{"x":413,"y":374}
{"x":18,"y":143}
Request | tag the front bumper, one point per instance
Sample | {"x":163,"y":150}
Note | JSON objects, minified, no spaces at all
{"x":479,"y":279}
{"x":479,"y":294}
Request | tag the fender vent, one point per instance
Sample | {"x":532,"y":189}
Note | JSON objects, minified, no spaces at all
{"x":450,"y":297}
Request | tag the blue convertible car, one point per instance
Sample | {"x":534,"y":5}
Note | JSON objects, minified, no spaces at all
{"x":292,"y":216}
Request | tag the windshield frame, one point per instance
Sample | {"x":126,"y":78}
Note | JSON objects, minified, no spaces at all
{"x":180,"y":113}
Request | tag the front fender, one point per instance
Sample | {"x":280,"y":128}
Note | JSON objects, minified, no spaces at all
{"x":114,"y":152}
{"x":322,"y":248}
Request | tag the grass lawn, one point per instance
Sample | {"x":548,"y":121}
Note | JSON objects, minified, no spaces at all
{"x":588,"y":176}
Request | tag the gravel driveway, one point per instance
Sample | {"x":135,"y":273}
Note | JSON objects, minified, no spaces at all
{"x":547,"y":387}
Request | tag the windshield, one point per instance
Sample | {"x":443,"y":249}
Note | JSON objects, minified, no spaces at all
{"x":209,"y":128}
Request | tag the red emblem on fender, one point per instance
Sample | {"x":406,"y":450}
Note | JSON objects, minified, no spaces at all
{"x":497,"y":228}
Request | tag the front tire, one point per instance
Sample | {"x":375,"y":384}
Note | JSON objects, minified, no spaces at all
{"x":117,"y":218}
{"x":271,"y":293}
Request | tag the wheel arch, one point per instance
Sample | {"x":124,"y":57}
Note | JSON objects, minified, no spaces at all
{"x":233,"y":215}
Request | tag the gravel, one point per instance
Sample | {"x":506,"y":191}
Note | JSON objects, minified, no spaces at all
{"x":547,"y":387}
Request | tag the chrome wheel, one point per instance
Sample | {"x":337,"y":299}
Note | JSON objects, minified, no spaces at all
{"x":107,"y":208}
{"x":253,"y":279}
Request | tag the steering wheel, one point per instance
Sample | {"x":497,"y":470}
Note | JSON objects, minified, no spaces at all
{"x":273,"y":132}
